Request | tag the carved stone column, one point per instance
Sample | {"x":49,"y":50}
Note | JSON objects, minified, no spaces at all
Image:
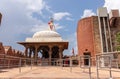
{"x":35,"y":53}
{"x":30,"y":53}
{"x":50,"y":54}
{"x":26,"y":52}
{"x":60,"y":52}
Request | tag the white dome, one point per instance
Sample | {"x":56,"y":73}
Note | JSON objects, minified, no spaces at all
{"x":45,"y":36}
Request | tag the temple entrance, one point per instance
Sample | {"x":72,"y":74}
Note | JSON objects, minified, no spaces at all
{"x":55,"y":55}
{"x":86,"y":58}
{"x":45,"y":55}
{"x":55,"y":52}
{"x":44,"y":50}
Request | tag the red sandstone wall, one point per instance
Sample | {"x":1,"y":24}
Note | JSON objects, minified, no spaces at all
{"x":8,"y":50}
{"x":85,"y":35}
{"x":2,"y":51}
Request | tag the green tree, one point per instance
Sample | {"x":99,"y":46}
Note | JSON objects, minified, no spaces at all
{"x":118,"y":41}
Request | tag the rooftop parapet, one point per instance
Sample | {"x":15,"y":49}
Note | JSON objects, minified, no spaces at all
{"x":114,"y":14}
{"x":102,"y":12}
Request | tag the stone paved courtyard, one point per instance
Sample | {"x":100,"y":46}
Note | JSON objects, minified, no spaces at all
{"x":48,"y":72}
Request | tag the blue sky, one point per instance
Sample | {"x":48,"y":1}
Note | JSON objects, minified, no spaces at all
{"x":22,"y":18}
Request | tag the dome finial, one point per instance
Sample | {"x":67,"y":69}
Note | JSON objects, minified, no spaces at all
{"x":51,"y":24}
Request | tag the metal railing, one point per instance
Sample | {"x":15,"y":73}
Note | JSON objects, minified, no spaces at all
{"x":105,"y":62}
{"x":7,"y":61}
{"x":102,"y":62}
{"x":74,"y":62}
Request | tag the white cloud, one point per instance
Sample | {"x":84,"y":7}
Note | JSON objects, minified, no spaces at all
{"x":58,"y":26}
{"x":87,"y":13}
{"x":33,"y":5}
{"x":45,"y":26}
{"x":18,"y":22}
{"x":112,"y":4}
{"x":40,"y":27}
{"x":58,"y":16}
{"x":69,"y":19}
{"x":18,"y":14}
{"x":17,"y":19}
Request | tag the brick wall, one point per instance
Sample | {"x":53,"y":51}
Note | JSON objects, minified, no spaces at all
{"x":85,"y":35}
{"x":88,"y":35}
{"x":2,"y":51}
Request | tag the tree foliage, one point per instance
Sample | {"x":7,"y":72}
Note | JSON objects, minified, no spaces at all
{"x":118,"y":41}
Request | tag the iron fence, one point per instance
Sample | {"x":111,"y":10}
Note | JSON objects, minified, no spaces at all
{"x":7,"y":61}
{"x":107,"y":61}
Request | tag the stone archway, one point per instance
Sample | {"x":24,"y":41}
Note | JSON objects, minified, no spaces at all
{"x":55,"y":52}
{"x":44,"y":50}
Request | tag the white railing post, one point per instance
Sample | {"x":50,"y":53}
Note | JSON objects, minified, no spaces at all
{"x":97,"y":61}
{"x":20,"y":65}
{"x":110,"y":62}
{"x":31,"y":63}
{"x":89,"y":66}
{"x":70,"y":64}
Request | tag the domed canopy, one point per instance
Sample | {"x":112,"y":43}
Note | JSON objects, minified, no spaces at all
{"x":41,"y":34}
{"x":45,"y":36}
